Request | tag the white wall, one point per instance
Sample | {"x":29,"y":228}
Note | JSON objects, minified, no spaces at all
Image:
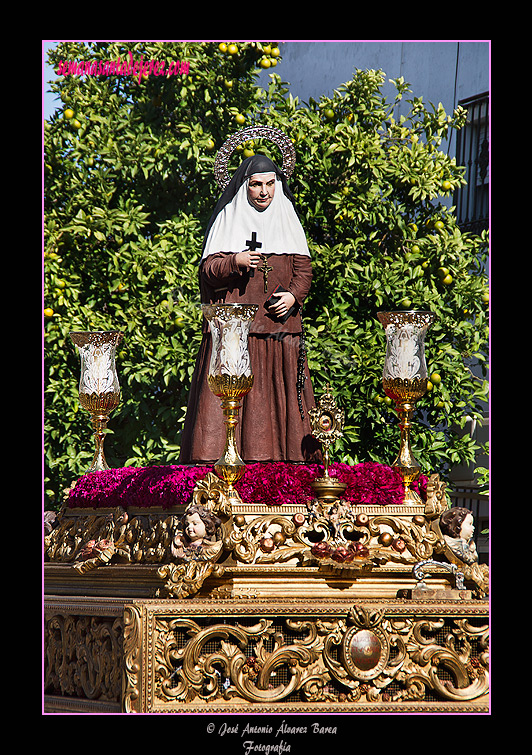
{"x":438,"y":71}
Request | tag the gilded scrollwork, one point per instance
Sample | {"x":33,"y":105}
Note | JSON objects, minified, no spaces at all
{"x":350,"y":536}
{"x":94,"y":540}
{"x":82,"y":657}
{"x":186,"y":579}
{"x":126,"y":538}
{"x":364,"y":657}
{"x":376,"y":652}
{"x":132,"y":657}
{"x":270,"y":538}
{"x":411,"y":538}
{"x":335,"y":535}
{"x":437,"y":649}
{"x":233,"y":671}
{"x":197,"y":545}
{"x":153,"y":658}
{"x":436,"y":501}
{"x":211,"y":492}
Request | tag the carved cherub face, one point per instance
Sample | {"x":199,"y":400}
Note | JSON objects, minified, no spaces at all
{"x":457,"y":523}
{"x":194,"y":528}
{"x":468,"y":527}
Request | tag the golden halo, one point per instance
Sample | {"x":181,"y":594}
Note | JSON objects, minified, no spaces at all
{"x":267,"y":132}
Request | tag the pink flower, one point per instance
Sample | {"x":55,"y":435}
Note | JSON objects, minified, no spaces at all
{"x":272,"y":483}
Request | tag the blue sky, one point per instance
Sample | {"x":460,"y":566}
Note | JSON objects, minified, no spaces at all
{"x":49,"y":100}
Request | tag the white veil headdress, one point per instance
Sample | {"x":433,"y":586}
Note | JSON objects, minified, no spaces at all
{"x":277,"y":227}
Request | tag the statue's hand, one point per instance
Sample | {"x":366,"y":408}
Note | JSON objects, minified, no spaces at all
{"x":247,"y":260}
{"x":286,"y":300}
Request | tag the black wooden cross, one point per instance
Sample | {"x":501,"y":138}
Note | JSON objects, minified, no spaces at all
{"x":253,"y":244}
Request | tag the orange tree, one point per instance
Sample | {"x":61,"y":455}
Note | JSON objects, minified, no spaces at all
{"x":129,"y":186}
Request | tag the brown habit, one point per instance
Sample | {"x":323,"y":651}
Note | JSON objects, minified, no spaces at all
{"x":270,"y":426}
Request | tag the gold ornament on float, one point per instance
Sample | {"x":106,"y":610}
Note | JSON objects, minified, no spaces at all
{"x":405,"y":381}
{"x":327,"y":423}
{"x":99,"y":391}
{"x":230,"y":378}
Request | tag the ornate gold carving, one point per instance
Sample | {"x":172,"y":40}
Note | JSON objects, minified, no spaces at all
{"x":95,"y":553}
{"x":428,"y":658}
{"x":361,"y":538}
{"x":185,"y":579}
{"x":436,"y":501}
{"x":116,"y":535}
{"x":406,"y":652}
{"x":271,"y":538}
{"x":229,"y":672}
{"x":132,"y":658}
{"x":265,"y":656}
{"x":211,"y":492}
{"x":404,"y":537}
{"x":196,"y":560}
{"x":82,"y":657}
{"x":88,"y":542}
{"x":367,"y":657}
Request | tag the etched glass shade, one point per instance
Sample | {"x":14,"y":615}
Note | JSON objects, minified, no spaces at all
{"x":99,"y":391}
{"x":405,"y":380}
{"x":230,"y":377}
{"x":97,"y":352}
{"x":229,"y":326}
{"x":405,"y":344}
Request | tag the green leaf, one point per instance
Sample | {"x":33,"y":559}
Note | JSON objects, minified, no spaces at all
{"x":126,"y":234}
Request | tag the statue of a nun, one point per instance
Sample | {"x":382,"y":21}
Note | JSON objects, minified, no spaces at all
{"x":255,"y":252}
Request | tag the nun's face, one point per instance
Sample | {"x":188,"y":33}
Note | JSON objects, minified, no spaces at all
{"x":261,"y":189}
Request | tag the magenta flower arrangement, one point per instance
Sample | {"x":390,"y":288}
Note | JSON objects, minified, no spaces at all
{"x":367,"y":483}
{"x":272,"y":483}
{"x":141,"y":487}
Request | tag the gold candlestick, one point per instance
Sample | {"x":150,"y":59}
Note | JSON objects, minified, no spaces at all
{"x":405,"y":381}
{"x":230,"y":378}
{"x":99,"y":391}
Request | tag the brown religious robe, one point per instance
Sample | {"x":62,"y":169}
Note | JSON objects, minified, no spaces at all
{"x":270,"y":426}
